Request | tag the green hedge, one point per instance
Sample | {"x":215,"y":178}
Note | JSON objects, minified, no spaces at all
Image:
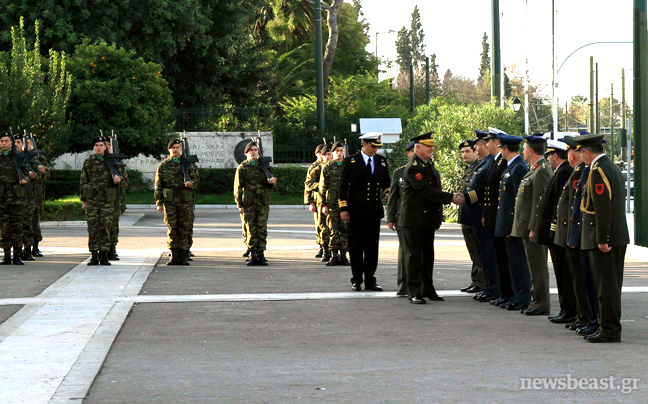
{"x":290,"y":180}
{"x":64,"y":209}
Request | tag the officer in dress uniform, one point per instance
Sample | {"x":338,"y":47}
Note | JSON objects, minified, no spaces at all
{"x":393,"y":209}
{"x":473,"y":211}
{"x":363,"y":188}
{"x":545,"y":226}
{"x":604,"y":234}
{"x":421,"y":215}
{"x":512,"y":176}
{"x":532,"y":187}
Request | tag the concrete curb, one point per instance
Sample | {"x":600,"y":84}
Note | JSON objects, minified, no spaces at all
{"x":211,"y":207}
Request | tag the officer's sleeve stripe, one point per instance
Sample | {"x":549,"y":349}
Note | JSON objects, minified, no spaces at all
{"x":342,"y":204}
{"x":553,"y":227}
{"x":473,"y":196}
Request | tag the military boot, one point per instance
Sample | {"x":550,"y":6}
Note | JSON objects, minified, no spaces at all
{"x":7,"y":257}
{"x":27,"y":254}
{"x":326,"y":257}
{"x":174,"y":257}
{"x":16,"y":257}
{"x":343,"y":258}
{"x":189,"y":255}
{"x":246,"y":254}
{"x":112,"y":254}
{"x":182,"y":256}
{"x":262,"y":259}
{"x":320,"y":253}
{"x":103,"y":258}
{"x":36,"y":252}
{"x":95,"y":258}
{"x":252,"y":259}
{"x":335,"y":260}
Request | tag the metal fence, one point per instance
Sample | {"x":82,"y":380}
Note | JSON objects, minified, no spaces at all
{"x":218,"y":119}
{"x":294,"y":154}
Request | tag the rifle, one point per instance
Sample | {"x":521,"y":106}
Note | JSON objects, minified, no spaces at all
{"x":186,"y":157}
{"x":264,"y":162}
{"x":30,"y":154}
{"x":346,"y":148}
{"x":17,"y":159}
{"x":115,"y":154}
{"x":111,"y":157}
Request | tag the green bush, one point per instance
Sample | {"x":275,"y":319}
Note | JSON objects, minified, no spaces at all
{"x":62,"y":183}
{"x":64,"y":209}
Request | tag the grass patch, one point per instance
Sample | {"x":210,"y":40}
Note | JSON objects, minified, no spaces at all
{"x":68,"y":208}
{"x":146,"y":198}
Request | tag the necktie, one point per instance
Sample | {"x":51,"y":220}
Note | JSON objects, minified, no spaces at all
{"x":369,"y":165}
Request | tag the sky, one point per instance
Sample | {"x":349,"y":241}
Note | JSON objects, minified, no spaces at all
{"x":454,"y":30}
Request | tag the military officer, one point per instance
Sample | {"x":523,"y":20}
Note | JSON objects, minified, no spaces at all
{"x":29,"y":205}
{"x":98,"y":192}
{"x":473,"y":211}
{"x":363,"y":188}
{"x":470,"y":158}
{"x":329,"y":187}
{"x":252,"y":190}
{"x":175,"y":197}
{"x":544,"y":232}
{"x":512,"y":176}
{"x":11,"y":201}
{"x":531,"y":189}
{"x":393,"y":209}
{"x":604,"y":234}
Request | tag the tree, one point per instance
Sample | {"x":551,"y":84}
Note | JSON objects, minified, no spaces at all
{"x":484,"y":64}
{"x":404,"y":49}
{"x":417,"y":38}
{"x":460,"y":88}
{"x":34,"y":92}
{"x":114,"y":89}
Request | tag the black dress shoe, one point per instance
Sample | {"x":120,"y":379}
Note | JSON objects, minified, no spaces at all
{"x":475,"y":289}
{"x":562,"y":320}
{"x":534,"y":312}
{"x":466,"y":288}
{"x":375,"y":288}
{"x":494,"y":302}
{"x":572,"y":326}
{"x":356,"y":287}
{"x":401,"y":293}
{"x":417,"y":300}
{"x":586,"y":331}
{"x":476,"y":296}
{"x":435,"y":298}
{"x":600,"y":338}
{"x":515,"y":307}
{"x":484,"y":298}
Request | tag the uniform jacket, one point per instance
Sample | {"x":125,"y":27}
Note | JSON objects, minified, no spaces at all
{"x":475,"y":192}
{"x":329,"y":183}
{"x":312,"y":182}
{"x":395,"y":194}
{"x":531,"y":189}
{"x":361,"y":192}
{"x":169,"y":183}
{"x":575,"y":233}
{"x":463,"y":216}
{"x":548,"y":206}
{"x":562,"y":222}
{"x":491,"y":191}
{"x":97,"y":182}
{"x":604,"y":218}
{"x":422,"y":200}
{"x":251,"y":184}
{"x":508,"y":189}
{"x":11,"y":191}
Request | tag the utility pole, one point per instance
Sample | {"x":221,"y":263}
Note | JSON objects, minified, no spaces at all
{"x":598,"y":112}
{"x":319,"y":69}
{"x":411,"y":87}
{"x":496,"y":68}
{"x":612,"y":142}
{"x":427,"y":80}
{"x":566,"y":112}
{"x":640,"y":96}
{"x":623,"y":117}
{"x":554,"y":100}
{"x":592,"y":124}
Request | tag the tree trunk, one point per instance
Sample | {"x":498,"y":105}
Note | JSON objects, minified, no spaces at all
{"x":331,"y":45}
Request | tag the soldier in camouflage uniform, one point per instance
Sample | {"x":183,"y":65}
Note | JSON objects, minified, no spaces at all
{"x":98,"y":189}
{"x":176,"y":197}
{"x":252,"y":194}
{"x":328,"y":189}
{"x":43,"y":174}
{"x":312,"y":198}
{"x":119,"y":210}
{"x":28,"y":208}
{"x":12,"y":197}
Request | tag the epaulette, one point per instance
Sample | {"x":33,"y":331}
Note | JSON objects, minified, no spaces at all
{"x":403,"y":166}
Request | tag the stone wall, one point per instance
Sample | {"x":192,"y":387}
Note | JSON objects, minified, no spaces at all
{"x":214,"y":150}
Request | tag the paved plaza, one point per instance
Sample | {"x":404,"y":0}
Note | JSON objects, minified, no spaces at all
{"x":221,"y":332}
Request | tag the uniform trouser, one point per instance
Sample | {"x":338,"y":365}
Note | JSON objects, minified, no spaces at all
{"x":99,"y":216}
{"x":324,"y":231}
{"x":318,"y":231}
{"x":578,"y":285}
{"x":536,"y":255}
{"x":364,"y":235}
{"x":519,"y":270}
{"x":401,"y":276}
{"x":505,"y":283}
{"x":564,"y":282}
{"x":38,"y":214}
{"x":256,"y":225}
{"x":476,"y":273}
{"x":338,"y":239}
{"x":419,"y":261}
{"x":244,"y":230}
{"x":114,"y":229}
{"x":590,"y":289}
{"x":27,"y":217}
{"x":11,"y":225}
{"x":488,"y":257}
{"x":607,"y":273}
{"x":179,"y":220}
